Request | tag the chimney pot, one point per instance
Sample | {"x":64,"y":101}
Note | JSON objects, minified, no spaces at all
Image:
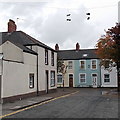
{"x":77,"y":46}
{"x":57,"y":47}
{"x":11,"y":26}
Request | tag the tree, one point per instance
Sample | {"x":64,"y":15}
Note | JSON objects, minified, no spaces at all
{"x":109,"y":49}
{"x":61,"y":68}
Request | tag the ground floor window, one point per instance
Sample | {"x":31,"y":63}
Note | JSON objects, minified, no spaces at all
{"x":82,"y":78}
{"x":31,"y":80}
{"x":106,"y":78}
{"x":52,"y":81}
{"x":59,"y":79}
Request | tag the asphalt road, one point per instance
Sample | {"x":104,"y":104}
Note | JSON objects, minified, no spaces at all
{"x":87,"y":103}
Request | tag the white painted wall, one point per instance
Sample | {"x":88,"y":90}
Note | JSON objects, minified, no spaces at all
{"x":1,"y":67}
{"x":12,"y":52}
{"x":16,"y":76}
{"x":113,"y":77}
{"x":42,"y":67}
{"x":15,"y":79}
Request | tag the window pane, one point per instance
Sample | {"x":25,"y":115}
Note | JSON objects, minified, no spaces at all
{"x":52,"y":58}
{"x":70,"y":65}
{"x":31,"y":80}
{"x":82,"y":64}
{"x":52,"y":82}
{"x":82,"y":78}
{"x":46,"y":57}
{"x":59,"y":78}
{"x":93,"y":64}
{"x":106,"y":78}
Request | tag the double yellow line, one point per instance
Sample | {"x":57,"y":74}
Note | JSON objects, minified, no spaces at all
{"x":37,"y":104}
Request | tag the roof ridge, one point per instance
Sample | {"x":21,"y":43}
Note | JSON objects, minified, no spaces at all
{"x":78,"y":50}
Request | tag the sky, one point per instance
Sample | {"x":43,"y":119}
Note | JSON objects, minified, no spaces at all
{"x":46,"y":20}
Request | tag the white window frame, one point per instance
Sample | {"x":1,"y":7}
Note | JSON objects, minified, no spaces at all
{"x":80,"y":79}
{"x":52,"y":58}
{"x":91,"y":64}
{"x":84,"y":64}
{"x":105,"y":78}
{"x":46,"y":57}
{"x":70,"y":66}
{"x":52,"y":84}
{"x":61,"y":79}
{"x":31,"y":82}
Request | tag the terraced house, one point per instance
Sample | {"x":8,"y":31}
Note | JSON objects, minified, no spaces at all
{"x":84,"y":70}
{"x":27,"y":66}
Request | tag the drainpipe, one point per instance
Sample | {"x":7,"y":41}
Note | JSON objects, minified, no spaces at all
{"x":1,"y":87}
{"x":37,"y":78}
{"x":100,"y":76}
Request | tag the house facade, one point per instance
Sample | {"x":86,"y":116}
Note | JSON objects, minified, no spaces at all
{"x":109,"y":77}
{"x":27,"y":66}
{"x":83,"y":69}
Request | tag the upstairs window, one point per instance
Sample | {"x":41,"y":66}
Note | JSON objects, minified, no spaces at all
{"x":46,"y":57}
{"x":82,"y":64}
{"x":107,"y":64}
{"x":31,"y":80}
{"x":106,"y":78}
{"x":52,"y":58}
{"x":94,"y":64}
{"x":70,"y":64}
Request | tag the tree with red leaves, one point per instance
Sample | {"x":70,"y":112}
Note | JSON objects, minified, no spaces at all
{"x":109,"y":49}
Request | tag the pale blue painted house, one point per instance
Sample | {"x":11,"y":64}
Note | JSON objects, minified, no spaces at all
{"x":85,"y":67}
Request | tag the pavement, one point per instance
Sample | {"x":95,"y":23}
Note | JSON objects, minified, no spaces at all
{"x":7,"y":108}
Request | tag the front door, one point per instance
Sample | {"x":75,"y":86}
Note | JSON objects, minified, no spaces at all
{"x":70,"y":80}
{"x":94,"y":80}
{"x":47,"y":78}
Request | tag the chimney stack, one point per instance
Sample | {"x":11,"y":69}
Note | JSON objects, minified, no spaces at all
{"x":56,"y":47}
{"x":11,"y":26}
{"x":77,"y":46}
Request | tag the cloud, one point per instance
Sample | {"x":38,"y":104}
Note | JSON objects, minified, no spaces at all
{"x":46,"y":21}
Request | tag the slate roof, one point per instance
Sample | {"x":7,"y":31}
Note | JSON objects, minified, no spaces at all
{"x":77,"y":55}
{"x":22,"y":40}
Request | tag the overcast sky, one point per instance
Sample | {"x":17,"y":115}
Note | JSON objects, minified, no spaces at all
{"x":46,"y":21}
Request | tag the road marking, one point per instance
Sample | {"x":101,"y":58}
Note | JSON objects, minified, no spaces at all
{"x":38,"y":104}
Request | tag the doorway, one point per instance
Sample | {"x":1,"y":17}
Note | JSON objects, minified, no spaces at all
{"x":94,"y":80}
{"x":47,"y":78}
{"x":70,"y":80}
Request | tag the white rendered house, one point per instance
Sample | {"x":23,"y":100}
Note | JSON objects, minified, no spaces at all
{"x":27,"y":66}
